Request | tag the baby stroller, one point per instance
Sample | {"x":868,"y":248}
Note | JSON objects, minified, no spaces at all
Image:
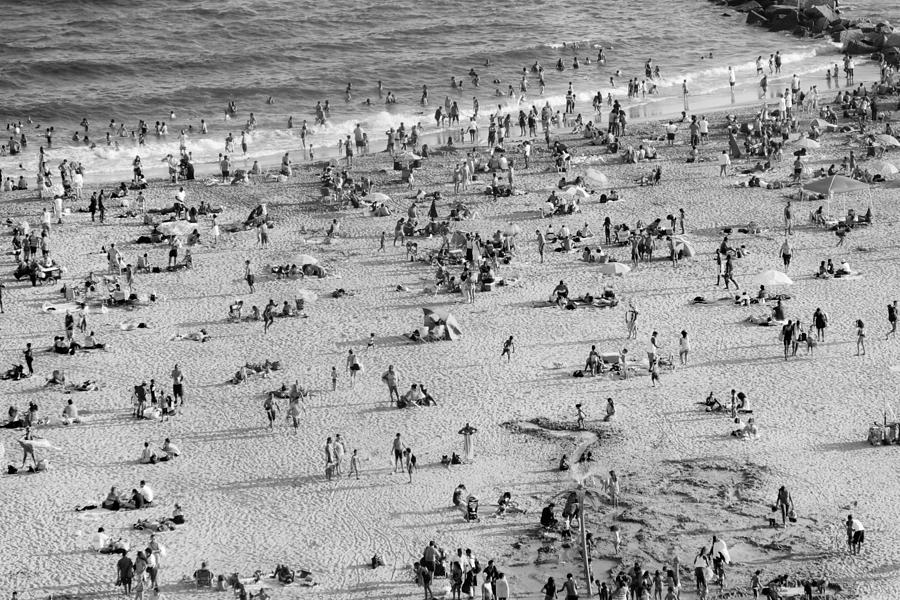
{"x":472,"y":509}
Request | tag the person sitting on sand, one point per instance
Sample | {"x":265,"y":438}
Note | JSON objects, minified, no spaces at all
{"x":712,"y":404}
{"x":560,"y":294}
{"x":585,"y":232}
{"x":548,"y":520}
{"x":287,"y":310}
{"x":90,"y":342}
{"x":70,"y":413}
{"x":170,"y":449}
{"x":459,"y":494}
{"x":112,"y":501}
{"x":564,"y":463}
{"x":778,"y":312}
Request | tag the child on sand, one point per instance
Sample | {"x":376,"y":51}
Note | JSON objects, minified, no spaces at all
{"x":580,"y":416}
{"x":354,"y":465}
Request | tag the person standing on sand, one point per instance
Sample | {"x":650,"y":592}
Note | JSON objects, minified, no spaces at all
{"x":178,"y":384}
{"x":684,"y":348}
{"x":685,"y":92}
{"x":397,"y":447}
{"x":654,"y":372}
{"x":338,"y":453}
{"x":541,"y":242}
{"x":612,"y":488}
{"x":215,"y":231}
{"x":860,"y":337}
{"x":856,"y":533}
{"x":631,"y":317}
{"x":390,"y":379}
{"x":571,"y":587}
{"x":680,"y":220}
{"x":784,"y":503}
{"x":353,"y":366}
{"x":468,"y":442}
{"x":248,"y":276}
{"x":755,"y":584}
{"x":729,"y":273}
{"x":29,"y":358}
{"x":508,"y":348}
{"x":334,"y":377}
{"x":820,"y":320}
{"x":381,"y":245}
{"x":329,"y":459}
{"x":579,"y":417}
{"x":892,"y":319}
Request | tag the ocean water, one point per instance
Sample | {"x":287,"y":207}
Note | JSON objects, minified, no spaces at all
{"x":65,"y":60}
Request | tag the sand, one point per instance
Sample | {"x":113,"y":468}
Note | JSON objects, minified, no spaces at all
{"x":255,"y":498}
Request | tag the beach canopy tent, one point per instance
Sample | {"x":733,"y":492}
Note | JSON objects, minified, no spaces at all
{"x":684,"y":248}
{"x":305,"y":259}
{"x":771,"y":277}
{"x":825,"y":125}
{"x":434,"y":317}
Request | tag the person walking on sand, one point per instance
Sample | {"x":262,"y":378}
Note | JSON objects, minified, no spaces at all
{"x":270,"y":406}
{"x":729,"y":273}
{"x":410,"y":460}
{"x":354,"y":465}
{"x":28,"y":353}
{"x":892,"y":319}
{"x":541,"y":242}
{"x":788,"y":219}
{"x":654,"y":372}
{"x":468,"y":442}
{"x":353,"y":366}
{"x":755,"y":584}
{"x":381,"y":244}
{"x":856,"y":533}
{"x":508,"y":348}
{"x":390,"y":379}
{"x":701,"y":564}
{"x":724,"y":163}
{"x":334,"y":377}
{"x":248,"y":276}
{"x":329,"y":459}
{"x":579,"y":416}
{"x":786,"y":252}
{"x":571,"y":587}
{"x":785,"y":504}
{"x":860,"y":337}
{"x":397,"y":447}
{"x":820,"y":320}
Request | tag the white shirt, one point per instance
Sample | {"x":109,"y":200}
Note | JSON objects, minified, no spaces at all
{"x":731,"y":75}
{"x":180,"y":195}
{"x":855,"y":525}
{"x":724,"y":160}
{"x":147,"y":493}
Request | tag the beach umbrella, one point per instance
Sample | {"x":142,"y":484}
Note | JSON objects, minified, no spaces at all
{"x":378,"y":197}
{"x":177,"y":227}
{"x":887,"y":140}
{"x":410,"y":156}
{"x":577,"y":192}
{"x":824,"y":125}
{"x":433,"y":212}
{"x":881,"y":166}
{"x":807,"y":143}
{"x":306,"y":295}
{"x":614,"y":268}
{"x":835,"y":184}
{"x":771,"y":277}
{"x":512,"y":229}
{"x":596,"y":177}
{"x":305,"y":259}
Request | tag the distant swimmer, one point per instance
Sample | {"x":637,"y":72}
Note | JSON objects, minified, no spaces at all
{"x":269,"y":100}
{"x":560,"y":66}
{"x":575,"y":63}
{"x":600,"y":58}
{"x":380,"y":88}
{"x":453,"y":83}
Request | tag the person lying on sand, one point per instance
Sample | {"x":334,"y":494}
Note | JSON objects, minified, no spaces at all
{"x":197,"y":336}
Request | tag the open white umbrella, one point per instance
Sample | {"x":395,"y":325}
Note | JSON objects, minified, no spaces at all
{"x":887,"y":140}
{"x":771,"y":277}
{"x":596,"y":177}
{"x":512,"y":229}
{"x":614,"y":268}
{"x":305,"y":259}
{"x":378,"y":197}
{"x":807,"y":143}
{"x":410,"y":156}
{"x":306,"y":295}
{"x":577,"y":192}
{"x":177,"y":227}
{"x":881,"y":167}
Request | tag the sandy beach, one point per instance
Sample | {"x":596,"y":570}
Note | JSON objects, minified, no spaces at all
{"x":254,"y":498}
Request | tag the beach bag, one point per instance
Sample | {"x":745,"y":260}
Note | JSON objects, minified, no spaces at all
{"x":792,"y":516}
{"x":578,"y":373}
